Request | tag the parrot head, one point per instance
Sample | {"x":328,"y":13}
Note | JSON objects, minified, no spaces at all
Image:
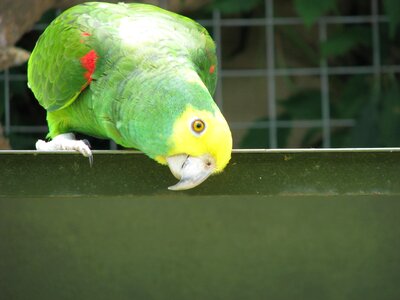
{"x":201,"y":145}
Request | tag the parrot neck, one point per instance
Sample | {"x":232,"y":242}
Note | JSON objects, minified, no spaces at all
{"x":146,"y":118}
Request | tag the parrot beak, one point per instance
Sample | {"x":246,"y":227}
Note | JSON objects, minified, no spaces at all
{"x":191,"y":171}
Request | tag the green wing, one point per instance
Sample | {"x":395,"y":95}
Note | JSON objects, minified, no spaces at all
{"x":56,"y":73}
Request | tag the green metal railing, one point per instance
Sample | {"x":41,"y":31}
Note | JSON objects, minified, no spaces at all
{"x":277,"y":224}
{"x":251,"y":172}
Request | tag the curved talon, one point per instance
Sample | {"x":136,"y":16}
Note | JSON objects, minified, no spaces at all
{"x":91,"y":160}
{"x":87,"y":143}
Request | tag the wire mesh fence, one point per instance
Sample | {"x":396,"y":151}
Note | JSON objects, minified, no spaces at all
{"x":269,"y":74}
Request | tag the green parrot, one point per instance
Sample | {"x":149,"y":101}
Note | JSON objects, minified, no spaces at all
{"x":139,"y":75}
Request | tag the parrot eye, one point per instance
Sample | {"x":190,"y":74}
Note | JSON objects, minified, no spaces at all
{"x":198,"y":126}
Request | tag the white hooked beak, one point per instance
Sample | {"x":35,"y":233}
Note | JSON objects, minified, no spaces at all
{"x":191,"y":171}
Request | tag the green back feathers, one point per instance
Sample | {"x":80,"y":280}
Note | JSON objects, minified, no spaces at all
{"x":56,"y":74}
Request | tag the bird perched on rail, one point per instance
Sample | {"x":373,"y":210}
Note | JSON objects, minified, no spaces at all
{"x":136,"y":74}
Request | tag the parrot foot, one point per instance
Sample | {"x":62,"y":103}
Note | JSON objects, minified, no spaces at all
{"x":66,"y":141}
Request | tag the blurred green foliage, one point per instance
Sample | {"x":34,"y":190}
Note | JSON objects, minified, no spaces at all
{"x":233,"y":6}
{"x":342,"y":42}
{"x":373,"y":102}
{"x":310,"y":11}
{"x":392,"y":10}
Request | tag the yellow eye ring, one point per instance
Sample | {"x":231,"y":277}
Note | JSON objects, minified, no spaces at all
{"x":198,"y":126}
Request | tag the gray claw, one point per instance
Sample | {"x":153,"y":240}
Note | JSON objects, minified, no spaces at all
{"x":87,"y":143}
{"x":90,"y":160}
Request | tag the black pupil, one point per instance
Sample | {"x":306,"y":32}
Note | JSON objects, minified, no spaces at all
{"x":198,"y":126}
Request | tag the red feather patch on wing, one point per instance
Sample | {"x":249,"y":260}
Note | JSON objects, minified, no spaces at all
{"x":212,"y":69}
{"x":88,"y":61}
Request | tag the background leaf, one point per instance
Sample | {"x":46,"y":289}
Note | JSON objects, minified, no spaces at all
{"x":392,"y":10}
{"x":234,"y":6}
{"x":304,"y":105}
{"x":366,"y":132}
{"x":257,"y":137}
{"x":389,"y":119}
{"x":353,"y":97}
{"x":344,"y":41}
{"x":310,"y":11}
